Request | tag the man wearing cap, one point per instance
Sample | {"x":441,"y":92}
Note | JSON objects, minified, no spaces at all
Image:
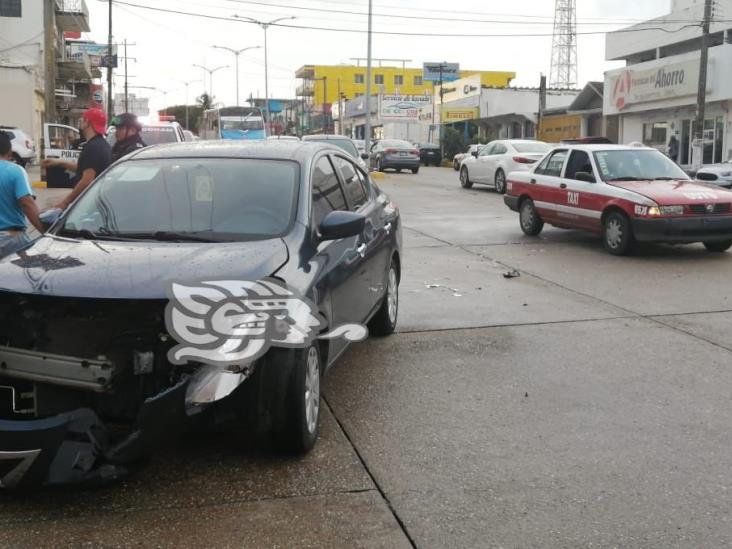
{"x":16,"y":202}
{"x":128,"y":135}
{"x":95,"y":157}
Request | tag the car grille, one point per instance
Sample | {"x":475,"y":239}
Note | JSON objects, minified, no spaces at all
{"x":701,"y":209}
{"x":707,"y":176}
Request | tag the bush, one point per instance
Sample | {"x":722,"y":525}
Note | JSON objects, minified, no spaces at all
{"x":454,"y":142}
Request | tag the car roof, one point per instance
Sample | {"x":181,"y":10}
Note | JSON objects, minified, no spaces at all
{"x":600,"y":147}
{"x":298,"y":151}
{"x":327,"y":137}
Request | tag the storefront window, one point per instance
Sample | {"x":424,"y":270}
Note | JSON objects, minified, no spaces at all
{"x":655,"y":135}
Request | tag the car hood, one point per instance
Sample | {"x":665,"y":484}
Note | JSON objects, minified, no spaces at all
{"x":133,"y":270}
{"x":717,"y":168}
{"x":668,"y":193}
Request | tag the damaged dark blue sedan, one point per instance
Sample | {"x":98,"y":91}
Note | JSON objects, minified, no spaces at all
{"x":275,"y":252}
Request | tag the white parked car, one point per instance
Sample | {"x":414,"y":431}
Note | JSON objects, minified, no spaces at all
{"x":717,"y":174}
{"x":24,"y":150}
{"x":497,"y":159}
{"x":459,"y":157}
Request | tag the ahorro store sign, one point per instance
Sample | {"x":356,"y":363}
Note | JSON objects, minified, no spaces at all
{"x":628,"y":87}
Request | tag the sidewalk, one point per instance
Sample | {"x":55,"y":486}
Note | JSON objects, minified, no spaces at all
{"x":34,"y":174}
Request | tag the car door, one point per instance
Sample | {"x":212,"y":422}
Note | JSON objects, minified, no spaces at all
{"x":580,"y":202}
{"x":58,"y":142}
{"x":547,"y":178}
{"x":376,"y":235}
{"x":478,"y":168}
{"x":493,"y":160}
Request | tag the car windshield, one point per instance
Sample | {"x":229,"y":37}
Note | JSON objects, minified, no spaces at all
{"x":345,"y":144}
{"x":636,"y":165}
{"x":242,"y":123}
{"x":197,"y":199}
{"x":154,"y":135}
{"x":537,"y":147}
{"x":395,"y":144}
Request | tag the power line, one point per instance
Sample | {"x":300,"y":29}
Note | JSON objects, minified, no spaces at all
{"x":394,"y":33}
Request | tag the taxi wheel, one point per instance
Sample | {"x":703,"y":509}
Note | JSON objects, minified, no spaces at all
{"x":465,"y":181}
{"x":529,"y":218}
{"x":500,"y":182}
{"x":718,"y":247}
{"x":617,"y":234}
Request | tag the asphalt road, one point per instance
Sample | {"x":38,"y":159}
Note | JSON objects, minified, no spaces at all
{"x":583,"y":404}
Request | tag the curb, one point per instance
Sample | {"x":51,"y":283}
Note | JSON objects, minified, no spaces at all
{"x":39,"y":185}
{"x":377,"y":175}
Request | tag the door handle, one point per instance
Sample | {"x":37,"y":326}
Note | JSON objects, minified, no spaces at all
{"x":387,"y":228}
{"x":362,"y":250}
{"x":533,"y":181}
{"x":562,"y":185}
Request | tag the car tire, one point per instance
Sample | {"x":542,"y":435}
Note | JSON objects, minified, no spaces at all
{"x":465,"y":181}
{"x":18,"y":160}
{"x":529,"y":218}
{"x":718,"y":247}
{"x":384,"y":321}
{"x":292,"y":398}
{"x":455,"y":166}
{"x":617,"y":234}
{"x":380,"y":165}
{"x":500,"y":181}
{"x":415,"y":170}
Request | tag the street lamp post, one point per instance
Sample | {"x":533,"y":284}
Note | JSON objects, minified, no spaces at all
{"x":265,"y":25}
{"x":210,"y":77}
{"x":236,"y":57}
{"x":186,"y":84}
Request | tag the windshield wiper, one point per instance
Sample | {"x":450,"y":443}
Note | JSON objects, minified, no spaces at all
{"x":86,"y":234}
{"x":665,"y":178}
{"x":168,"y":236}
{"x":628,"y":178}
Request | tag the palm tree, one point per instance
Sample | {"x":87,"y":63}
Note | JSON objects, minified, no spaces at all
{"x":205,"y":101}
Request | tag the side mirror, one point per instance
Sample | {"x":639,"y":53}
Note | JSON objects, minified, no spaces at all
{"x":365,"y":156}
{"x":49,"y":217}
{"x":341,"y":225}
{"x":585,"y":176}
{"x":475,"y":154}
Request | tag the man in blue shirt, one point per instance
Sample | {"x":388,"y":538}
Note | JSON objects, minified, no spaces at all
{"x":16,"y":202}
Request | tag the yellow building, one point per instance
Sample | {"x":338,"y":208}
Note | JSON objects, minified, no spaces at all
{"x":324,"y":83}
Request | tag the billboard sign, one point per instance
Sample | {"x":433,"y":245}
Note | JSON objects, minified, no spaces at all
{"x":96,"y":53}
{"x":403,"y":107}
{"x":433,"y":71}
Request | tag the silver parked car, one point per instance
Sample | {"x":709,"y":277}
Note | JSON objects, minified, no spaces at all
{"x":717,"y":174}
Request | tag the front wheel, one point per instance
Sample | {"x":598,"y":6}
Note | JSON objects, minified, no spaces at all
{"x":384,"y":321}
{"x":617,"y":234}
{"x":465,"y":181}
{"x":415,"y":170}
{"x":718,"y":247}
{"x":500,"y":182}
{"x":455,"y":165}
{"x":531,"y":223}
{"x":380,"y":165}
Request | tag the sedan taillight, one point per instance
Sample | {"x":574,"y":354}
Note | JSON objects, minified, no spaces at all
{"x":389,"y":151}
{"x":524,"y":160}
{"x":415,"y":152}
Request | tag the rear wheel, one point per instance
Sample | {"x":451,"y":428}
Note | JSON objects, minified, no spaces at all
{"x":380,"y":165}
{"x":617,"y":234}
{"x":384,"y":321}
{"x":529,"y":219}
{"x":500,"y":182}
{"x":465,"y":181}
{"x":718,"y":247}
{"x":415,"y":170}
{"x":455,"y":165}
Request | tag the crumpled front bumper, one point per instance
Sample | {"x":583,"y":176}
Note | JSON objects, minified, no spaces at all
{"x":75,"y":447}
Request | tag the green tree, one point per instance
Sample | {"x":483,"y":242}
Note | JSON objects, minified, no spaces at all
{"x":454,"y":142}
{"x":179,"y":111}
{"x":205,"y":101}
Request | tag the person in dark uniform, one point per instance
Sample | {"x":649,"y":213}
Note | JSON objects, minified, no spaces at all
{"x":95,"y":157}
{"x":673,"y":148}
{"x":128,"y":135}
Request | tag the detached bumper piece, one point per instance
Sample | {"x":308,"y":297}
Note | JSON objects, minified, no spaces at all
{"x":683,"y":229}
{"x":74,"y":447}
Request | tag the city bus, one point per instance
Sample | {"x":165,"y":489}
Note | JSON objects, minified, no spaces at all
{"x":233,"y":123}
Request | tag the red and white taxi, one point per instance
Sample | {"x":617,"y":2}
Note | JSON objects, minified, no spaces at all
{"x":626,"y":194}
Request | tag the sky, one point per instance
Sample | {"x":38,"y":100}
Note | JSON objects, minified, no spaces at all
{"x":167,"y":44}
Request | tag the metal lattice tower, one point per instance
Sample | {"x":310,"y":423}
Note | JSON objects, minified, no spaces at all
{"x":563,"y":72}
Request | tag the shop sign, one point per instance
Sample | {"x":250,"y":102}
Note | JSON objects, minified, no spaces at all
{"x":459,"y":115}
{"x":403,"y":107}
{"x":434,"y":72}
{"x":629,"y":86}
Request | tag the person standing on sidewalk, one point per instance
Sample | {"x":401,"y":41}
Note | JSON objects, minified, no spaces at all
{"x":95,"y":157}
{"x":128,"y":135}
{"x":16,"y":202}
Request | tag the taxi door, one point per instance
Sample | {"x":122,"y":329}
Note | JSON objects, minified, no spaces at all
{"x":581,"y":202}
{"x":58,"y":142}
{"x":545,"y":185}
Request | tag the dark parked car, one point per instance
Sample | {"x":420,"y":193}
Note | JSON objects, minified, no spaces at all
{"x":592,"y":140}
{"x":429,"y":153}
{"x":394,"y":154}
{"x":87,"y":384}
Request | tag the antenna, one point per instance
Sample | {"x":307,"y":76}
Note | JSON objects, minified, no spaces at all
{"x":563,"y":72}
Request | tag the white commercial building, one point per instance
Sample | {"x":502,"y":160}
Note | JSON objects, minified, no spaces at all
{"x":654,"y":95}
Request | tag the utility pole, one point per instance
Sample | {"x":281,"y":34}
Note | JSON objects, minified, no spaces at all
{"x":237,"y":53}
{"x":325,"y":98}
{"x":542,"y":105}
{"x":186,"y":84}
{"x":110,"y":106}
{"x":49,"y":61}
{"x":701,"y":95}
{"x":367,"y":137}
{"x":127,"y":104}
{"x":442,"y":111}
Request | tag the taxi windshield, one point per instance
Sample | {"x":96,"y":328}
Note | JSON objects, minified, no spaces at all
{"x":637,"y":165}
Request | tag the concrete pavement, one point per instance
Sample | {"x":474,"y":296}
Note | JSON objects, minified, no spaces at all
{"x":582,"y":404}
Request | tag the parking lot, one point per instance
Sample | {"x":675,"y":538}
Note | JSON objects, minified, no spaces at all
{"x":582,"y":403}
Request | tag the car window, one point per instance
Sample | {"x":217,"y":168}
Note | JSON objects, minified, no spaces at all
{"x":487,"y":150}
{"x":579,"y":161}
{"x":552,"y":164}
{"x":535,"y":147}
{"x":352,"y":184}
{"x":218,"y":199}
{"x":500,"y":148}
{"x":154,"y":135}
{"x":345,"y":144}
{"x":327,"y":193}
